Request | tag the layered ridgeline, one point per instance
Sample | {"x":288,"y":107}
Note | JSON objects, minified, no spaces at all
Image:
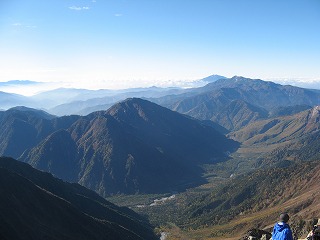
{"x":282,"y":140}
{"x":9,"y":100}
{"x":135,"y":146}
{"x":85,"y":102}
{"x":66,"y":101}
{"x":280,"y":129}
{"x":239,"y":101}
{"x":35,"y":205}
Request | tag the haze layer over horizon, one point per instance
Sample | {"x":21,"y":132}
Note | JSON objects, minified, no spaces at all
{"x":124,"y":44}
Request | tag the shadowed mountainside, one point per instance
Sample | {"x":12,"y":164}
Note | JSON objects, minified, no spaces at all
{"x":135,"y":146}
{"x":35,"y":205}
{"x":22,"y":128}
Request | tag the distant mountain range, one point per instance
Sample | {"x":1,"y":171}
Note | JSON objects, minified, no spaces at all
{"x":200,"y":102}
{"x":9,"y":100}
{"x":68,"y":101}
{"x":135,"y":146}
{"x":238,"y":101}
{"x":18,"y":82}
{"x":85,"y":102}
{"x":35,"y":205}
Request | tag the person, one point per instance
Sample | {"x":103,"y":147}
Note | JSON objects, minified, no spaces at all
{"x":281,"y":230}
{"x":315,"y":233}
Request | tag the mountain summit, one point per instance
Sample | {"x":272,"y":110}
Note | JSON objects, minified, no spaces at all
{"x":135,"y":146}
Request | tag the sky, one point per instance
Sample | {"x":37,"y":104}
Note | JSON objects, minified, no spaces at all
{"x":140,"y":43}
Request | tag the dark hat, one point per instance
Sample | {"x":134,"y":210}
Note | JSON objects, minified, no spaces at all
{"x":284,"y":217}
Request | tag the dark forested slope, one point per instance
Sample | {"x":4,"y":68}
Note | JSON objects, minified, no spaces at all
{"x":35,"y":205}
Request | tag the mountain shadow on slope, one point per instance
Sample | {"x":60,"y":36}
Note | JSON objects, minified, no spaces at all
{"x":35,"y":205}
{"x":23,"y":128}
{"x":135,"y":146}
{"x":56,"y":154}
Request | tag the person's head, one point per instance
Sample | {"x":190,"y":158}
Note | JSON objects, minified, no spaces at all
{"x":284,"y":217}
{"x":316,"y":222}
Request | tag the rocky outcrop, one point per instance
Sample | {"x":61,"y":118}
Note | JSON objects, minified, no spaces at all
{"x":257,"y":234}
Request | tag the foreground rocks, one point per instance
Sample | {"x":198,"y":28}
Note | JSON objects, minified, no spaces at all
{"x":257,"y":234}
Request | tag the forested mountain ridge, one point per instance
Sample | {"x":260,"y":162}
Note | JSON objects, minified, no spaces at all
{"x":280,"y":129}
{"x":135,"y":146}
{"x":214,"y":99}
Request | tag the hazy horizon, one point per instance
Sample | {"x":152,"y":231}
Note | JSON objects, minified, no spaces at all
{"x":34,"y":87}
{"x":123,"y":44}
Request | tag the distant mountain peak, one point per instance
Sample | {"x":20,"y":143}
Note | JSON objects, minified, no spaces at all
{"x":129,"y":102}
{"x":236,"y":77}
{"x":131,"y":108}
{"x":19,"y":82}
{"x":134,"y":100}
{"x":241,"y":78}
{"x":212,"y":78}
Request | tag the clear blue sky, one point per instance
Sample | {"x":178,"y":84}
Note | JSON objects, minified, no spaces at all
{"x":125,"y":43}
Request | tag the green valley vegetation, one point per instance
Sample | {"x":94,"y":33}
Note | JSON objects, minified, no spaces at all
{"x":235,"y":205}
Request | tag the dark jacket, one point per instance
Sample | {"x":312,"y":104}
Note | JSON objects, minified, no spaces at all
{"x":281,"y":231}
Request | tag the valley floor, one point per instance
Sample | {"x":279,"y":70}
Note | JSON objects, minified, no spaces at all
{"x":166,"y":210}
